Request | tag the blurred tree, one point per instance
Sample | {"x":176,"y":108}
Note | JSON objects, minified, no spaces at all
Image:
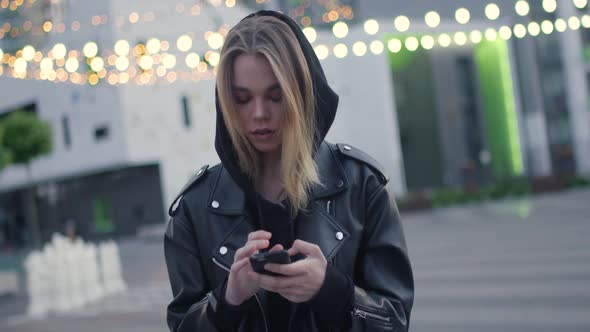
{"x":26,"y":137}
{"x":5,"y":155}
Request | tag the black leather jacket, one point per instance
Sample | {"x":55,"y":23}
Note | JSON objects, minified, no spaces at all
{"x":352,"y":218}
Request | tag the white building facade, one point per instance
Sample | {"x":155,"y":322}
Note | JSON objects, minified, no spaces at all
{"x":121,"y":152}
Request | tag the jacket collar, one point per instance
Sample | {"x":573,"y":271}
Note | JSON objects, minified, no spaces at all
{"x":227,"y":198}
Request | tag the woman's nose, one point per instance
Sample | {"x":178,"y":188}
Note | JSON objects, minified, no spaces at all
{"x":260,"y":110}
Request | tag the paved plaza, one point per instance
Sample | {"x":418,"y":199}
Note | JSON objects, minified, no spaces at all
{"x":513,"y":266}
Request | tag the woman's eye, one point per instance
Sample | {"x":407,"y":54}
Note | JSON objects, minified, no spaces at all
{"x":241,"y":100}
{"x":276,"y":97}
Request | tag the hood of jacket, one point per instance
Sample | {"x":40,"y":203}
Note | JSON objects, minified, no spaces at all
{"x":326,"y":103}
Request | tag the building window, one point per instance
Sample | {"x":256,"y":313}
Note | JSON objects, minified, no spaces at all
{"x":65,"y":125}
{"x":101,"y":133}
{"x":186,"y":116}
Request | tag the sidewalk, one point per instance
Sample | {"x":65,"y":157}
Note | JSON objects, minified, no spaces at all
{"x":493,"y":266}
{"x":141,"y":307}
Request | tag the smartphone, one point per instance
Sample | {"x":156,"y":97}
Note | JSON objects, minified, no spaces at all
{"x":278,"y":257}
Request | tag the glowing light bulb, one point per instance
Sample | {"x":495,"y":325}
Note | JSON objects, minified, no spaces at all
{"x":402,"y":23}
{"x":492,"y":11}
{"x":90,"y":50}
{"x":462,"y":15}
{"x":432,"y":19}
{"x":371,"y":27}
{"x":340,"y":29}
{"x":122,"y":48}
{"x":310,"y":33}
{"x":340,"y":50}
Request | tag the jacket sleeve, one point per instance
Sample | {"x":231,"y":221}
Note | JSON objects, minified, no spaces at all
{"x":191,"y":308}
{"x":384,"y":285}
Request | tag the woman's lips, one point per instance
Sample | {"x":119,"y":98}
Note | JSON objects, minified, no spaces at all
{"x":263,"y":134}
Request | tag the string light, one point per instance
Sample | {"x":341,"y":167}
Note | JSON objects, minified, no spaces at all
{"x":394,"y":45}
{"x":376,"y":47}
{"x":547,"y":27}
{"x":432,"y":19}
{"x":122,"y":63}
{"x":476,"y":36}
{"x":534,"y":29}
{"x":59,"y":51}
{"x":460,"y":38}
{"x":169,"y":61}
{"x":505,"y":32}
{"x":28,"y":53}
{"x":522,"y":7}
{"x":371,"y":27}
{"x":549,"y":5}
{"x":310,"y":33}
{"x":20,"y":65}
{"x":402,"y":23}
{"x":321,"y":52}
{"x":46,"y":64}
{"x":192,"y":60}
{"x":444,"y":40}
{"x":97,"y":64}
{"x":153,"y":45}
{"x":72,"y":65}
{"x":133,"y":17}
{"x":340,"y":50}
{"x":359,"y":48}
{"x":162,"y":65}
{"x":427,"y":42}
{"x":146,"y":62}
{"x":492,"y":11}
{"x":462,"y":16}
{"x":215,"y":41}
{"x":519,"y":31}
{"x":184,"y":43}
{"x":574,"y":23}
{"x":581,"y":4}
{"x":491,"y":35}
{"x":122,"y":47}
{"x":340,"y":29}
{"x":90,"y":50}
{"x":412,"y":44}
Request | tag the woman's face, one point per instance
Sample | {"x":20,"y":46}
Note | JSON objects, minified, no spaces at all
{"x":259,"y":102}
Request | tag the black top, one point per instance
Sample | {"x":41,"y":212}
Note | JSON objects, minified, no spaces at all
{"x":278,"y":222}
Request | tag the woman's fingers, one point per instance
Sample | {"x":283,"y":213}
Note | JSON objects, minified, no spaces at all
{"x":306,"y":248}
{"x":259,"y":235}
{"x":277,"y":284}
{"x":277,"y":247}
{"x":238,"y":265}
{"x":293,"y":269}
{"x":256,"y":241}
{"x":249,"y":248}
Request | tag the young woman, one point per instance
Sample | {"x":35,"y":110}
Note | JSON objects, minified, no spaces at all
{"x":280,"y":186}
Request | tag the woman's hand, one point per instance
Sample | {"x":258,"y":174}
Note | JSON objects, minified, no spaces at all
{"x":302,"y":279}
{"x":241,"y":285}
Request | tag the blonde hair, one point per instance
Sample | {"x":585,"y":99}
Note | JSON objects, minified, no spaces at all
{"x":270,"y":37}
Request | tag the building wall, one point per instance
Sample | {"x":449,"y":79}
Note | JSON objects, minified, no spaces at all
{"x":146,"y":123}
{"x":86,"y":109}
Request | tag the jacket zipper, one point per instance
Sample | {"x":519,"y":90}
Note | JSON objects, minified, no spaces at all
{"x":364,"y":314}
{"x":200,"y":303}
{"x":330,"y":208}
{"x":255,"y":295}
